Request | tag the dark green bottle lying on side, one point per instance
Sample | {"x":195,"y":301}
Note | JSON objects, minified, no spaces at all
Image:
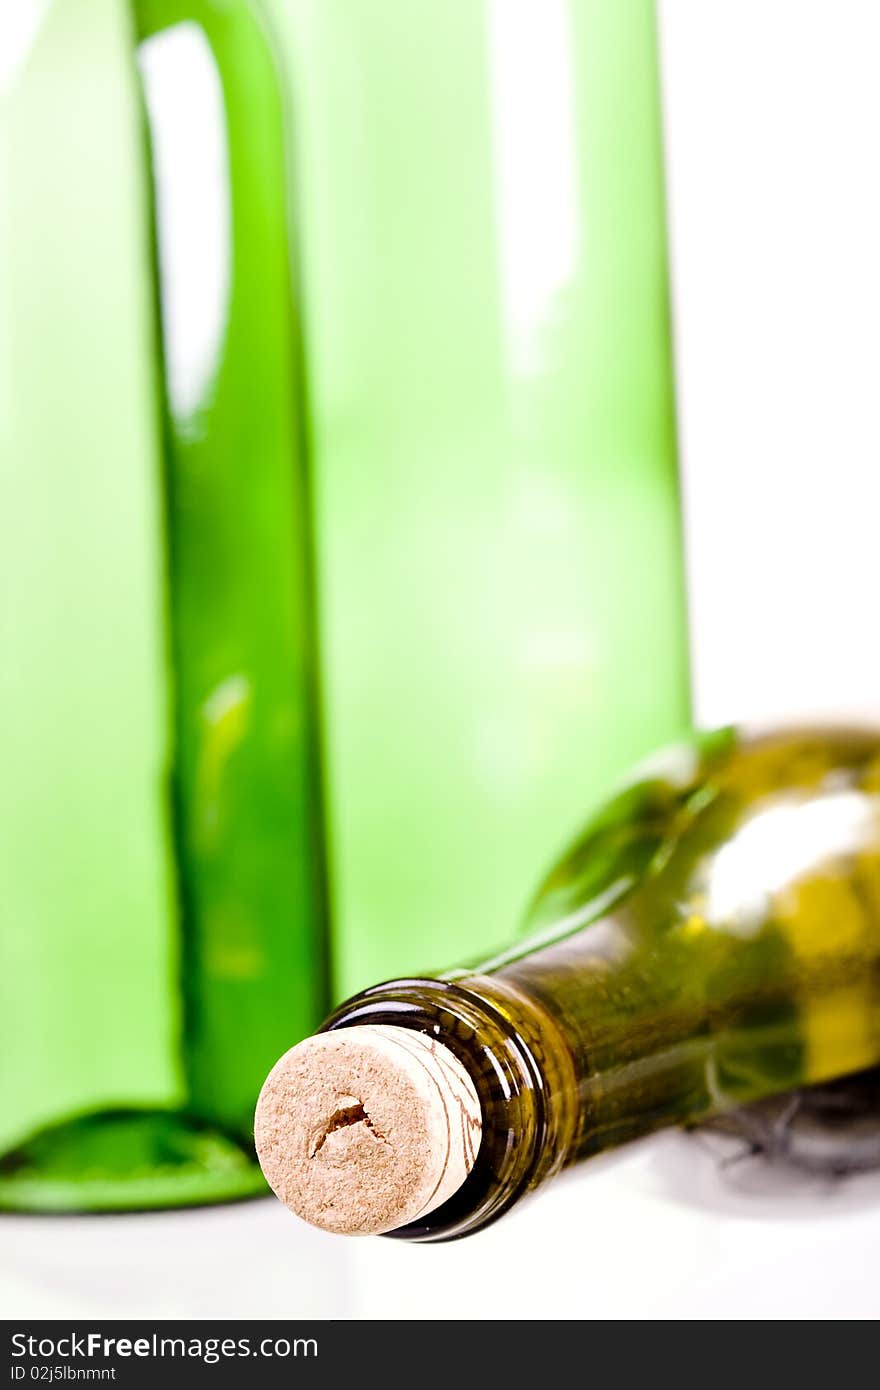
{"x":163,"y":922}
{"x":712,"y":939}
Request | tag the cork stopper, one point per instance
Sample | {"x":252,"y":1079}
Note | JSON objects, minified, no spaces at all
{"x":365,"y":1129}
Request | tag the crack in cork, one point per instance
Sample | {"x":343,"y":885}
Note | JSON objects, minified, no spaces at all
{"x":343,"y":1118}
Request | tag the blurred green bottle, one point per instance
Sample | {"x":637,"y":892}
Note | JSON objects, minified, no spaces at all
{"x":162,"y":896}
{"x":480,"y":207}
{"x":497,"y":523}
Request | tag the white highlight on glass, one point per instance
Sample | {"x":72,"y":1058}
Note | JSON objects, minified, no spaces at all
{"x":777,"y":847}
{"x":20,"y":22}
{"x":535,"y":157}
{"x":184,"y":100}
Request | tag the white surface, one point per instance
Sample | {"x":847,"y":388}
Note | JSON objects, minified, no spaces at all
{"x":660,"y":1231}
{"x":772,"y":110}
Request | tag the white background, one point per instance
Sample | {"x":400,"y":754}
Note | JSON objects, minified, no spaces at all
{"x":773,"y":119}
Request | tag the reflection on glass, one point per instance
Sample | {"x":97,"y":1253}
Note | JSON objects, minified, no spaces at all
{"x":535,"y":136}
{"x":780,"y":845}
{"x":184,"y":101}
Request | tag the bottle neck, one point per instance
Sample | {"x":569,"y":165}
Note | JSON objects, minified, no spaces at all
{"x":655,"y":1033}
{"x":668,"y":1018}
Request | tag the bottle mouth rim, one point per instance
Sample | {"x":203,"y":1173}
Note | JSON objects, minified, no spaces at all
{"x":505,"y":1073}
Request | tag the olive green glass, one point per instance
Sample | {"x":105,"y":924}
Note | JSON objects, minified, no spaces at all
{"x":713,"y":938}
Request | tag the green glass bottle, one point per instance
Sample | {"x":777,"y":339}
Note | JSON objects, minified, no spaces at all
{"x":711,"y":939}
{"x":497,"y":514}
{"x":163,"y":890}
{"x":247,"y":789}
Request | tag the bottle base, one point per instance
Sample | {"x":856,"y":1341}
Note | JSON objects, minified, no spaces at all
{"x":127,"y":1160}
